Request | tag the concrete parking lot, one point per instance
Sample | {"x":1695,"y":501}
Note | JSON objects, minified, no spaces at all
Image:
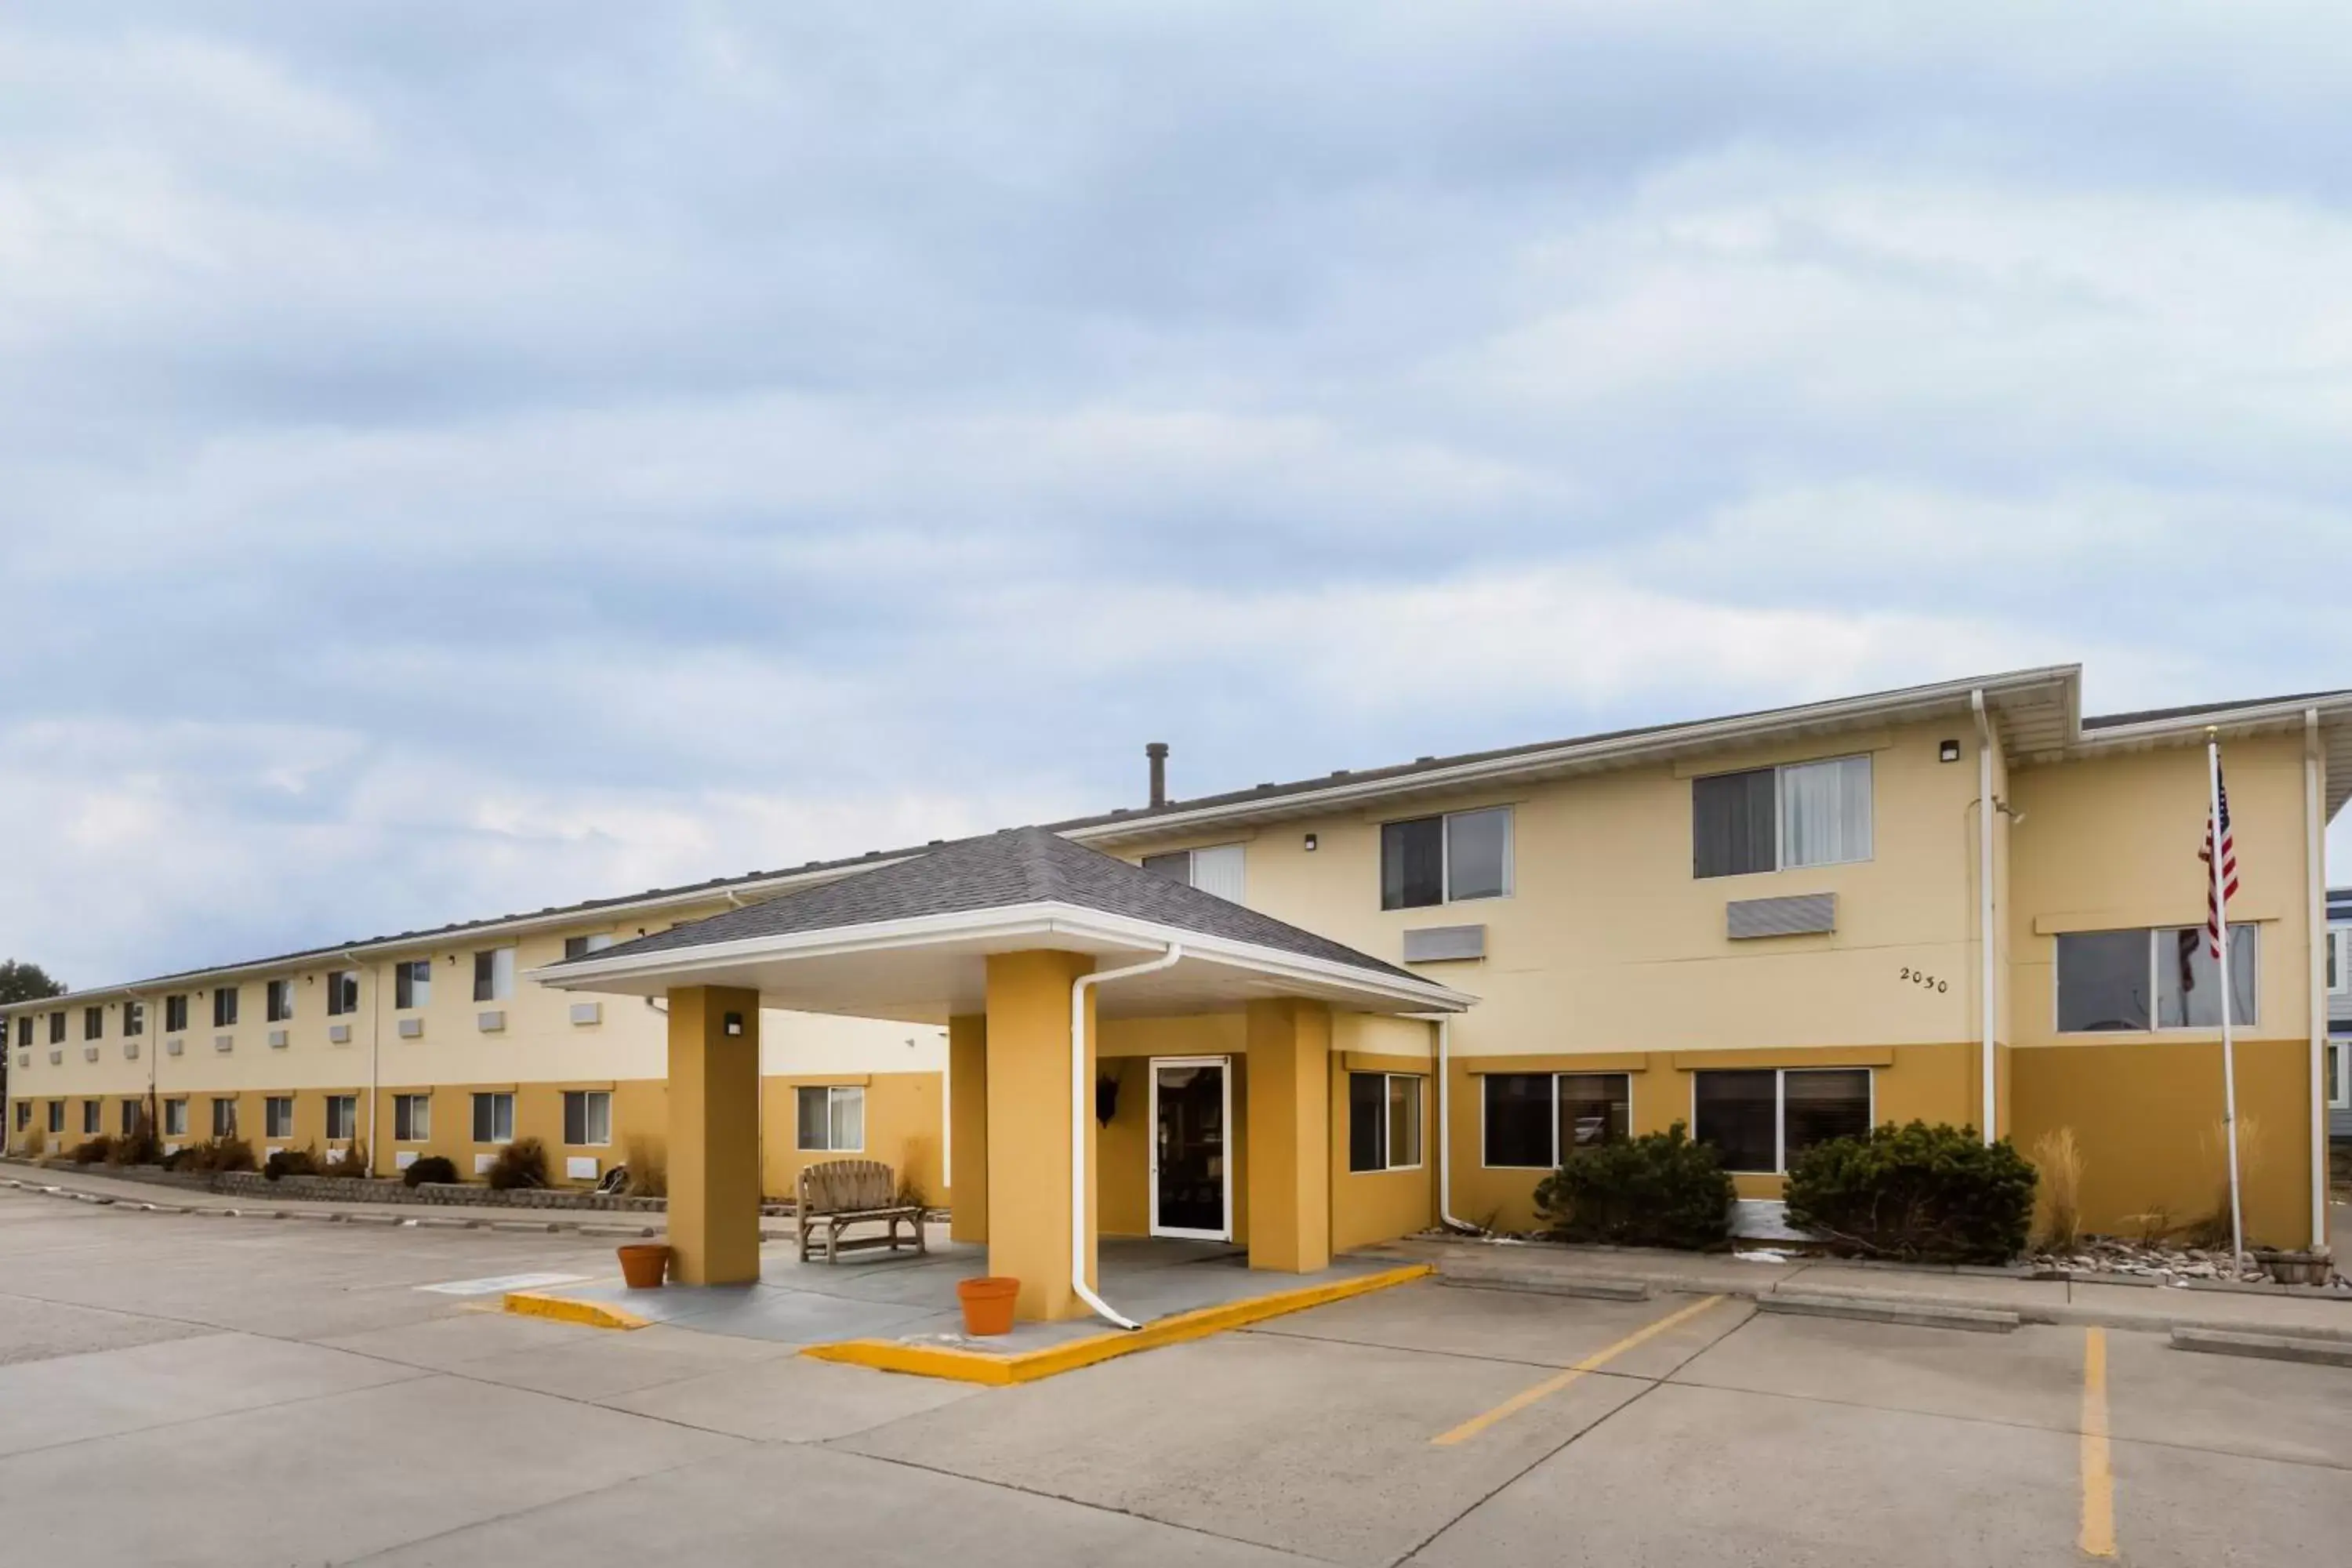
{"x":177,"y":1389}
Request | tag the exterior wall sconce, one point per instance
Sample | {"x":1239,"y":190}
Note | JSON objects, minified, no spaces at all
{"x":732,"y":1024}
{"x":1949,"y":751}
{"x":1311,"y":844}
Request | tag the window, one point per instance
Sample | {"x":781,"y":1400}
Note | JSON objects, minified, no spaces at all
{"x":1757,"y":1117}
{"x":278,"y":1116}
{"x":1216,"y":869}
{"x":224,"y":1006}
{"x":176,"y":1014}
{"x":280,"y":1001}
{"x":57,"y":1116}
{"x":57,"y":1028}
{"x":1773,"y":819}
{"x":2340,"y":1074}
{"x":91,"y":1110}
{"x":1533,"y":1118}
{"x":342,"y":992}
{"x":24,"y":1114}
{"x":412,"y":984}
{"x":224,"y":1116}
{"x":2162,"y":979}
{"x":412,"y":1118}
{"x":1441,"y":859}
{"x":134,"y":1018}
{"x":581,"y":946}
{"x":588,"y":1116}
{"x":2339,"y":960}
{"x":494,"y":975}
{"x":832,"y":1119}
{"x":129,"y":1117}
{"x":175,"y":1118}
{"x":1383,"y":1120}
{"x":493,"y":1119}
{"x":342,"y":1117}
{"x":93,"y":1023}
{"x":24,"y":1029}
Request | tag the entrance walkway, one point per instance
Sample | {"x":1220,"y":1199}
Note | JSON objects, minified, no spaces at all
{"x":889,"y":1305}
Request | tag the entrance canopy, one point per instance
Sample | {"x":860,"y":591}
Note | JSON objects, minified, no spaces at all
{"x":912,"y":940}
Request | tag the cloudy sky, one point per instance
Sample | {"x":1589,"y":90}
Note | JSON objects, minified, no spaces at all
{"x":460,"y":457}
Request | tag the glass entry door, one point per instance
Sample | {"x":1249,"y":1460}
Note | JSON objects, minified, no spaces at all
{"x":1192,"y":1186}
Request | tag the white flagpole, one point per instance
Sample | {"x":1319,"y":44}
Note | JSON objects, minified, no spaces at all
{"x":2229,"y":1047}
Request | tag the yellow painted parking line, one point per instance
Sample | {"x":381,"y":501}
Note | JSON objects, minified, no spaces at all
{"x":2098,"y":1537}
{"x":1551,"y":1385}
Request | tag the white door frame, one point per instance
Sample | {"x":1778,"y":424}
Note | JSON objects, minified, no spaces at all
{"x":1225,"y":1066}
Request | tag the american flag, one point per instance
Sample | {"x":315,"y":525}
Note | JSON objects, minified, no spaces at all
{"x":2219,"y":890}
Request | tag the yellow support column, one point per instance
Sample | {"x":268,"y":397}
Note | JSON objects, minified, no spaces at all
{"x":1028,"y":1212}
{"x":968,"y":1126}
{"x":714,"y":1135}
{"x":1289,"y":1135}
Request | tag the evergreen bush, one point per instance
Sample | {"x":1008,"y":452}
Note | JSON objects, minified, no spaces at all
{"x":1921,"y":1194}
{"x":1658,"y":1190}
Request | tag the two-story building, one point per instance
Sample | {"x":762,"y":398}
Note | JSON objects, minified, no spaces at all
{"x":1961,"y":902}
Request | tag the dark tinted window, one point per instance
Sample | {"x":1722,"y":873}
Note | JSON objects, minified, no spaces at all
{"x":1735,"y":1111}
{"x":1594,"y":1108}
{"x":1732,"y":824}
{"x":1368,"y":1110}
{"x":2103,"y":978}
{"x":1518,"y":1118}
{"x":1412,"y":863}
{"x":224,"y":1006}
{"x":1176,"y":866}
{"x":1822,"y":1105}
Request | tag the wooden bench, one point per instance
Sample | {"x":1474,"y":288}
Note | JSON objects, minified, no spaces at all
{"x":837,"y":1194}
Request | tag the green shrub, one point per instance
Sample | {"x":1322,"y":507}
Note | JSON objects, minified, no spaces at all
{"x":429,"y":1168}
{"x":302,"y":1162}
{"x":521,"y":1163}
{"x":230,"y":1153}
{"x":95,"y":1150}
{"x":1658,"y":1190}
{"x":1928,"y":1194}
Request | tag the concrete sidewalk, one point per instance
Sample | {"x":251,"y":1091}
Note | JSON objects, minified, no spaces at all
{"x":2137,"y":1304}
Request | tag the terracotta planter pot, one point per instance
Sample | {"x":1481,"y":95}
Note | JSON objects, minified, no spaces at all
{"x":643,"y":1263}
{"x":987,"y":1304}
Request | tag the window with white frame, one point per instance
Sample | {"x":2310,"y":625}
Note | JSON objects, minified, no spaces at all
{"x":1452,"y":858}
{"x":1214,"y":870}
{"x":2339,"y":1073}
{"x":342,"y":992}
{"x":587,"y":1117}
{"x":91,"y":1111}
{"x":1758,"y":1117}
{"x":412,"y":984}
{"x":57,"y":1028}
{"x":175,"y":1118}
{"x":134,"y":1019}
{"x":93,"y":1023}
{"x":278,"y":1116}
{"x":830,"y":1117}
{"x":224,"y":1006}
{"x":1384,"y":1121}
{"x":2339,"y":960}
{"x":24,"y":1029}
{"x":1531,"y":1120}
{"x":57,"y":1116}
{"x":342,"y":1117}
{"x":494,"y":1117}
{"x":224,"y":1116}
{"x":176,"y":1013}
{"x":1781,"y":819}
{"x":2164,"y":978}
{"x":494,"y":971}
{"x":581,"y":946}
{"x":412,"y":1118}
{"x":24,"y":1114}
{"x":277,"y":1001}
{"x":132,"y":1112}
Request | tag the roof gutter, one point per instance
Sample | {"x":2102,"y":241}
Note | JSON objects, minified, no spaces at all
{"x":1080,"y":1082}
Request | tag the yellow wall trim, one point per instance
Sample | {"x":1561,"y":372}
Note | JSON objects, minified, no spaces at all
{"x":1554,"y":1061}
{"x":1375,"y":1061}
{"x":2067,"y":922}
{"x":1800,"y":1057}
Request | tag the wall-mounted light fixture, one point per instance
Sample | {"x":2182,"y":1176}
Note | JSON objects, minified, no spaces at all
{"x":1311,"y":844}
{"x":732,"y":1024}
{"x":1949,"y":751}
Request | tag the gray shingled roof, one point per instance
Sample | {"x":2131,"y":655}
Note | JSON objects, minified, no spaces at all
{"x":1002,"y":871}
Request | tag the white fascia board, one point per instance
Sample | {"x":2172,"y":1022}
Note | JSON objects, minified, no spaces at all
{"x":1705,"y":734}
{"x":1045,"y":920}
{"x":2192,"y":726}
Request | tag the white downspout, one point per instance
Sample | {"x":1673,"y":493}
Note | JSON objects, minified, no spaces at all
{"x":1081,"y":1089}
{"x":2315,"y":921}
{"x":1984,"y":901}
{"x":1445,"y":1129}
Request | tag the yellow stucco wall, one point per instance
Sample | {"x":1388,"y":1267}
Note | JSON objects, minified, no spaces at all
{"x":905,"y":1120}
{"x":2147,"y":1116}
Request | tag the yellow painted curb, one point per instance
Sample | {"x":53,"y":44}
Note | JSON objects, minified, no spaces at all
{"x":1028,"y":1366}
{"x":593,"y":1314}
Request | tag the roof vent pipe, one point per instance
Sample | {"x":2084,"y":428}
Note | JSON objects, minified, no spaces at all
{"x":1157,"y":751}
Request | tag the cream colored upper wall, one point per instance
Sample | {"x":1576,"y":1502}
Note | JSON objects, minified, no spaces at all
{"x":1609,"y":943}
{"x":2112,"y":843}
